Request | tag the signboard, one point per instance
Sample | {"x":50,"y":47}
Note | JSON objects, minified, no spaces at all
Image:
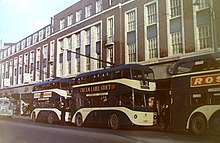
{"x":205,"y":80}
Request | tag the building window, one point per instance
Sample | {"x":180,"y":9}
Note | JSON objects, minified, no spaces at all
{"x":110,"y":54}
{"x":28,"y":41}
{"x":204,"y":37}
{"x":177,"y":43}
{"x":99,"y":60}
{"x":110,"y":30}
{"x":152,"y":47}
{"x":88,"y":61}
{"x":41,"y":35}
{"x":99,"y":32}
{"x":78,"y":40}
{"x":47,"y":31}
{"x":23,"y":44}
{"x":88,"y":36}
{"x":131,"y":21}
{"x":61,"y":44}
{"x":52,"y":51}
{"x":88,"y":11}
{"x":70,"y":20}
{"x":78,"y":15}
{"x":109,"y":2}
{"x":203,"y":4}
{"x":175,"y":8}
{"x":70,"y":42}
{"x":98,"y":6}
{"x":78,"y":59}
{"x":152,"y":13}
{"x":62,"y":24}
{"x":18,"y":46}
{"x":132,"y":52}
{"x":35,"y":38}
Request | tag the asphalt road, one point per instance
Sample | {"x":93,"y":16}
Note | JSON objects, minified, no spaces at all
{"x":24,"y":131}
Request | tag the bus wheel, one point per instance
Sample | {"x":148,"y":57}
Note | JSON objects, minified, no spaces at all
{"x":79,"y":120}
{"x":198,"y":125}
{"x":34,"y":119}
{"x":50,"y":118}
{"x":113,"y":121}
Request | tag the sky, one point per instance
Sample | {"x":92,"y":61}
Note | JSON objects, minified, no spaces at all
{"x":21,"y":18}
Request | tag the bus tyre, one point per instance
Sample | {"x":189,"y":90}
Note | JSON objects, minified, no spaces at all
{"x":198,"y":125}
{"x":51,"y":118}
{"x":79,"y":120}
{"x":34,"y":119}
{"x":113,"y":122}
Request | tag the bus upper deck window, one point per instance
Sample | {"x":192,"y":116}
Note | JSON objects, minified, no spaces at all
{"x":149,"y":75}
{"x":136,"y":74}
{"x":126,"y":73}
{"x":200,"y":66}
{"x":116,"y":74}
{"x":184,"y":68}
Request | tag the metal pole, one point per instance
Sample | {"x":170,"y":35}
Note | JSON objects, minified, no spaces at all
{"x":91,"y":57}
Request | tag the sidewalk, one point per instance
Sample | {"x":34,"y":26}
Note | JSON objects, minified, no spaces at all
{"x":21,"y":117}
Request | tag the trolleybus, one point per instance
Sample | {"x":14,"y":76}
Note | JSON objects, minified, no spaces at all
{"x":114,"y":97}
{"x":195,"y":94}
{"x":51,"y":101}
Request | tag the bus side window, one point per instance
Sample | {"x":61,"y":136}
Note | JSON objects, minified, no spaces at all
{"x":136,"y":74}
{"x":200,"y":66}
{"x":215,"y":98}
{"x":198,"y":98}
{"x":107,"y":76}
{"x":184,"y":68}
{"x":126,"y":73}
{"x":116,"y":74}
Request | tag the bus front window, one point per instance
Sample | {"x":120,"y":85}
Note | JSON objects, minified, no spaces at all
{"x":141,"y":101}
{"x":136,"y":74}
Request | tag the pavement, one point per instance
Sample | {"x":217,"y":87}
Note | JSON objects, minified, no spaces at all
{"x":21,"y":117}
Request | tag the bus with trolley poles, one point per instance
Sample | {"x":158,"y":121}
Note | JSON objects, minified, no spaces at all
{"x":195,"y":94}
{"x":6,"y":107}
{"x":51,"y":101}
{"x":114,"y":97}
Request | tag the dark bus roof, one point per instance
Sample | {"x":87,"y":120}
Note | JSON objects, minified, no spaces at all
{"x":59,"y":80}
{"x":116,"y":68}
{"x":195,"y":58}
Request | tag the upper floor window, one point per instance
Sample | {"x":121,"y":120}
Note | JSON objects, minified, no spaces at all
{"x":204,"y":37}
{"x":99,"y":33}
{"x":41,"y":35}
{"x":88,"y":11}
{"x":203,"y":4}
{"x":35,"y":38}
{"x":78,"y":15}
{"x":110,"y":30}
{"x":70,"y":42}
{"x":152,"y":13}
{"x":152,"y":48}
{"x":98,"y":6}
{"x":18,"y":46}
{"x":109,"y":2}
{"x":70,"y":20}
{"x":78,"y":42}
{"x":47,"y":31}
{"x":28,"y":41}
{"x":23,"y":44}
{"x":175,"y":8}
{"x":88,"y":36}
{"x":62,"y":24}
{"x":177,"y":43}
{"x":131,"y":20}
